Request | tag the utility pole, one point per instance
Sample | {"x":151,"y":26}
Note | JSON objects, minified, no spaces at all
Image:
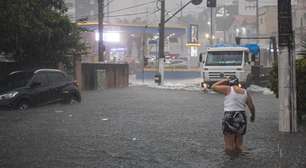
{"x":286,"y":69}
{"x":211,"y":4}
{"x":161,"y":57}
{"x":181,"y":5}
{"x":107,"y":10}
{"x":101,"y":18}
{"x":257,"y":19}
{"x":143,"y":51}
{"x":211,"y":26}
{"x":162,"y":23}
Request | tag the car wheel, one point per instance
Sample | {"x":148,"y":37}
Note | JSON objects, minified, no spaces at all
{"x":71,"y":98}
{"x":77,"y":97}
{"x":23,"y":105}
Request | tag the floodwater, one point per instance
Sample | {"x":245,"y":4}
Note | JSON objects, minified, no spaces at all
{"x":144,"y":127}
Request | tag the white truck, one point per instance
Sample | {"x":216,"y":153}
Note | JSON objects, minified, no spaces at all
{"x":221,"y":62}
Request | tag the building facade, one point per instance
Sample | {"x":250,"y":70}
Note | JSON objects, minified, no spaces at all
{"x":86,"y":10}
{"x":300,"y":22}
{"x":70,"y":4}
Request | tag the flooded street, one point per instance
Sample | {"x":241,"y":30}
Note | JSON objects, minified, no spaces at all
{"x":144,"y":127}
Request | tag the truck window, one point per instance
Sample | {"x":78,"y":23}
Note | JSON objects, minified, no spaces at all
{"x":224,"y":58}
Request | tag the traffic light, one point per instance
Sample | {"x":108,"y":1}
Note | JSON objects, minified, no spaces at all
{"x":196,"y":2}
{"x":211,"y":3}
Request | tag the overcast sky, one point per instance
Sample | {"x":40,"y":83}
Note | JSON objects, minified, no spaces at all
{"x":171,"y":6}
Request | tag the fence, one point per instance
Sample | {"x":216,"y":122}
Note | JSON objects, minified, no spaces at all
{"x":113,"y":76}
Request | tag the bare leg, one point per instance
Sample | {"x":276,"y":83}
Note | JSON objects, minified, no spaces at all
{"x":239,"y":143}
{"x":229,"y":143}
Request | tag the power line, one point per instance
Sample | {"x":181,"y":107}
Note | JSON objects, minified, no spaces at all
{"x":131,"y":7}
{"x":106,"y":5}
{"x":127,"y":14}
{"x":130,"y":14}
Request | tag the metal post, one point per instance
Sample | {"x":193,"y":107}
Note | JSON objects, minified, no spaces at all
{"x":161,"y":40}
{"x":257,"y":19}
{"x":181,"y":5}
{"x":143,"y":52}
{"x":108,"y":7}
{"x":274,"y":49}
{"x":101,"y":17}
{"x":211,"y":26}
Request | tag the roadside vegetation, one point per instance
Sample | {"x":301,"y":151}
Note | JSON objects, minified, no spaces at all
{"x":38,"y":32}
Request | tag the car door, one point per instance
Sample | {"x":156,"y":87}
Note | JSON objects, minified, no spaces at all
{"x":58,"y":82}
{"x":39,"y":89}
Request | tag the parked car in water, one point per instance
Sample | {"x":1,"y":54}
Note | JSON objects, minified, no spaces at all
{"x":23,"y":89}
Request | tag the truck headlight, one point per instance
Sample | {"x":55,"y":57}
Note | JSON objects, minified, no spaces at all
{"x":205,"y":86}
{"x":9,"y":95}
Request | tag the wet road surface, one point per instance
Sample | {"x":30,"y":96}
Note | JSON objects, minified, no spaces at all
{"x":141,"y":127}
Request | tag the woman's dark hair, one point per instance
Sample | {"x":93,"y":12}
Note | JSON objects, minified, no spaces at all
{"x":233,"y":80}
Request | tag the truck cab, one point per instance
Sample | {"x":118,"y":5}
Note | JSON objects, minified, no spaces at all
{"x":221,"y":62}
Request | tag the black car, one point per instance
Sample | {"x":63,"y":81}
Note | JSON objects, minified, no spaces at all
{"x":23,"y":89}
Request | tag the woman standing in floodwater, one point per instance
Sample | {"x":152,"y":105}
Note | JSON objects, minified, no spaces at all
{"x":234,"y":123}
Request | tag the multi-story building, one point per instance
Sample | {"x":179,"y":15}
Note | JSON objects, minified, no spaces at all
{"x":70,"y":4}
{"x":267,"y":20}
{"x":300,"y":23}
{"x":86,"y":9}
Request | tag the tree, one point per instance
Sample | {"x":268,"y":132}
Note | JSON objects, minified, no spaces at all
{"x":37,"y":32}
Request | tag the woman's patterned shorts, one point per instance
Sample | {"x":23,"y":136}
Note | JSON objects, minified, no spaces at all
{"x":234,"y":122}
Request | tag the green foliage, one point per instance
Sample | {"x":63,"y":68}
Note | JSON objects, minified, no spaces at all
{"x":37,"y":32}
{"x":300,"y":83}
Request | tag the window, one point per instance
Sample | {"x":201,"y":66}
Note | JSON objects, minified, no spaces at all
{"x":224,"y":58}
{"x":18,"y":79}
{"x":40,"y":78}
{"x":56,"y":77}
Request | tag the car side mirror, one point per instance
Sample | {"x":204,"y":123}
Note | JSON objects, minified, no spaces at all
{"x":35,"y":84}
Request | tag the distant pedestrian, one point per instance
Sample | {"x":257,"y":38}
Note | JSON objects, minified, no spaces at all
{"x":234,"y":123}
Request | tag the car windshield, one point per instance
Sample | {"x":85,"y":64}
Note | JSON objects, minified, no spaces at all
{"x":224,"y":58}
{"x":18,"y":79}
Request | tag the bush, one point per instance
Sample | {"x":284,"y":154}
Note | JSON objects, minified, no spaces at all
{"x":300,"y":85}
